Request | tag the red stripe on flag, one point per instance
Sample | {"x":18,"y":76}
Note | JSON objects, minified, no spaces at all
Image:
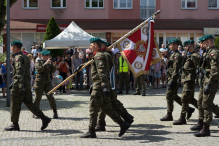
{"x":130,"y":55}
{"x":152,"y":45}
{"x":135,"y":36}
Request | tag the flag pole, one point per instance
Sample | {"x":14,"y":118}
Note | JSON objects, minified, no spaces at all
{"x":135,"y":29}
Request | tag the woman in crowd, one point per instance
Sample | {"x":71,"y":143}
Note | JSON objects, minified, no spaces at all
{"x":157,"y":74}
{"x":2,"y":84}
{"x":63,"y":70}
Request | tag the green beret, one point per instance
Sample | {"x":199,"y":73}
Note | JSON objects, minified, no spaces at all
{"x":103,"y":42}
{"x":173,"y":41}
{"x":206,"y":37}
{"x":188,"y":42}
{"x":95,"y":40}
{"x":45,"y":52}
{"x":108,"y":44}
{"x":16,"y":43}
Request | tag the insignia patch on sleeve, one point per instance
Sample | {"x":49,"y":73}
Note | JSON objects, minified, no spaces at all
{"x":16,"y":60}
{"x":212,"y":54}
{"x":98,"y":58}
{"x":175,"y":57}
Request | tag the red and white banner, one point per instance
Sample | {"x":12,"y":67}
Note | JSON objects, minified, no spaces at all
{"x":139,"y":49}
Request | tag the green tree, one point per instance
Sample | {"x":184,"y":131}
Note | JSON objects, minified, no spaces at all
{"x":217,"y":42}
{"x":52,"y":31}
{"x":3,"y":12}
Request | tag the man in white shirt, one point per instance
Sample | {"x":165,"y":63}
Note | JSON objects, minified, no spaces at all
{"x":180,"y":49}
{"x":115,"y":50}
{"x":39,"y":57}
{"x":34,"y":51}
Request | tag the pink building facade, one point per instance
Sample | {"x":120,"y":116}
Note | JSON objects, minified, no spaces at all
{"x":111,"y":19}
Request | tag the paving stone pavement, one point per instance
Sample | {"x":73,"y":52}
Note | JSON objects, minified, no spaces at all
{"x":73,"y":111}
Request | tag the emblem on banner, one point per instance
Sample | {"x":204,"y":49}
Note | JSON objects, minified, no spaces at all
{"x":141,"y":48}
{"x":126,"y":44}
{"x":145,"y":30}
{"x":138,"y":65}
{"x":154,"y":53}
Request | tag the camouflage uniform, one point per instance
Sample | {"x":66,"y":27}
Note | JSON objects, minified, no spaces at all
{"x":21,"y":74}
{"x":211,"y":78}
{"x":188,"y":80}
{"x":98,"y":100}
{"x":43,"y":82}
{"x":174,"y":65}
{"x":140,"y":80}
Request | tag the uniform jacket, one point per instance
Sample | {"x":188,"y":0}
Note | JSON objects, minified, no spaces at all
{"x":174,"y":65}
{"x":190,"y":67}
{"x":99,"y":71}
{"x":21,"y":71}
{"x":43,"y":72}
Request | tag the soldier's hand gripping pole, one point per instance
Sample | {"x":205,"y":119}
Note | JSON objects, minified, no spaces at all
{"x":80,"y":69}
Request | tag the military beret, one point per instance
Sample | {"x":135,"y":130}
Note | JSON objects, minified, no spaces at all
{"x":188,"y":42}
{"x":103,"y":42}
{"x":16,"y":43}
{"x":173,"y":41}
{"x":95,"y":40}
{"x":108,"y":44}
{"x":206,"y":37}
{"x":45,"y":52}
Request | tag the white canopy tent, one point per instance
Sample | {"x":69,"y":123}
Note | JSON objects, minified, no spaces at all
{"x":72,"y":36}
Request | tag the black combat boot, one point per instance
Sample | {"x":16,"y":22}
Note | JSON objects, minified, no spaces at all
{"x":216,"y":116}
{"x":100,"y":126}
{"x":127,"y":92}
{"x":45,"y":121}
{"x":136,"y":93}
{"x":124,"y":126}
{"x":189,"y":114}
{"x":13,"y":127}
{"x":127,"y":119}
{"x":168,"y":117}
{"x":143,"y":94}
{"x":181,"y":120}
{"x":130,"y":116}
{"x":198,"y":126}
{"x":55,"y":115}
{"x":205,"y":131}
{"x":90,"y":133}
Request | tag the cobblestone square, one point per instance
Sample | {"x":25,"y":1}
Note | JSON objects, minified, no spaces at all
{"x":73,"y":111}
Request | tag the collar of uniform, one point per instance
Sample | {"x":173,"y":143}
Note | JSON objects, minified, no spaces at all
{"x":104,"y":49}
{"x":96,"y":52}
{"x":17,"y":53}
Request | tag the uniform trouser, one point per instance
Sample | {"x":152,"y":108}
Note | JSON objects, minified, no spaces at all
{"x":207,"y":102}
{"x":188,"y":96}
{"x":215,"y":108}
{"x":116,"y":105}
{"x":99,"y":101}
{"x":124,"y":76}
{"x":39,"y":88}
{"x":171,"y":95}
{"x":140,"y":84}
{"x":17,"y":99}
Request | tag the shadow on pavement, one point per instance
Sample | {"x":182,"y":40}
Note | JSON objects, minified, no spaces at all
{"x":74,"y":119}
{"x":145,"y":133}
{"x":56,"y":132}
{"x":147,"y":108}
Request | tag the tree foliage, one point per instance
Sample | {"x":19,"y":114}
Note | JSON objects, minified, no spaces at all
{"x":217,"y":42}
{"x":3,"y":12}
{"x":52,"y":31}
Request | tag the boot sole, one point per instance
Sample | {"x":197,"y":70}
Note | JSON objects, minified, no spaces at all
{"x":88,"y":137}
{"x":12,"y":129}
{"x":166,"y":120}
{"x":179,"y":123}
{"x":201,"y":135}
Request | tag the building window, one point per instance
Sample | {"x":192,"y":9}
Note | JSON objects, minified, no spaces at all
{"x":213,"y":4}
{"x":30,"y":4}
{"x":58,"y":4}
{"x":122,"y":4}
{"x":148,"y":8}
{"x":189,"y":4}
{"x":94,"y":4}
